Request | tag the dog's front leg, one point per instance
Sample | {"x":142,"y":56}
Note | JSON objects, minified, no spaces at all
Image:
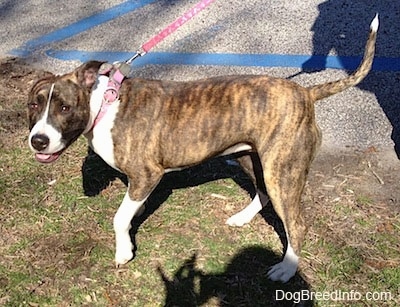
{"x":139,"y":188}
{"x":122,"y":224}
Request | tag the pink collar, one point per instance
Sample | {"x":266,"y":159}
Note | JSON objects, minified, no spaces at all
{"x":116,"y":74}
{"x":103,"y":110}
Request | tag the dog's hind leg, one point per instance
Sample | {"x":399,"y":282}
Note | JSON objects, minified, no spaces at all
{"x":285,"y":178}
{"x":252,"y":167}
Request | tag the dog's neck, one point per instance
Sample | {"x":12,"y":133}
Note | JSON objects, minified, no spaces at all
{"x":98,"y":106}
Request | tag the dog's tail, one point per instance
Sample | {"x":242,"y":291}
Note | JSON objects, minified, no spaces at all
{"x":320,"y":91}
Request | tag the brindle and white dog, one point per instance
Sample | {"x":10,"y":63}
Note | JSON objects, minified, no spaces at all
{"x":160,"y":126}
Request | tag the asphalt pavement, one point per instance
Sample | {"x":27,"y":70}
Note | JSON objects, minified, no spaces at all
{"x":308,"y":41}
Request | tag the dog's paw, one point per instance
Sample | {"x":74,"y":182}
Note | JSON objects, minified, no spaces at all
{"x":247,"y":214}
{"x":238,"y":220}
{"x":123,"y":256}
{"x":285,"y":269}
{"x":282,"y":272}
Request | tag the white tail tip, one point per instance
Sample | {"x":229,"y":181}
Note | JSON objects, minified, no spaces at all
{"x":375,"y":23}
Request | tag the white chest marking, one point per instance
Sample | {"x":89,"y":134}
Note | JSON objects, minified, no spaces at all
{"x":100,"y":138}
{"x":102,"y":141}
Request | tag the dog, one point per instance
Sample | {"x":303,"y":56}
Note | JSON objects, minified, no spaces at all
{"x":155,"y":127}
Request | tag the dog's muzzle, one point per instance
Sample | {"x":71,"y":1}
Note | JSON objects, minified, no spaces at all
{"x":39,"y":143}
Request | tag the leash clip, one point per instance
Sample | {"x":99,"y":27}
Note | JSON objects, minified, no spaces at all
{"x":116,"y":74}
{"x":136,"y":55}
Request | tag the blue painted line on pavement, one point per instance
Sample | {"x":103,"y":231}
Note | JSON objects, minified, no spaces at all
{"x":79,"y":26}
{"x":225,"y":59}
{"x":167,"y":58}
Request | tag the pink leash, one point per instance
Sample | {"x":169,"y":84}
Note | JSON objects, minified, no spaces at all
{"x":118,"y":72}
{"x":171,"y":28}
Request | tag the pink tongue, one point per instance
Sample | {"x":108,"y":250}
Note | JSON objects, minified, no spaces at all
{"x":43,"y":156}
{"x":46,"y":158}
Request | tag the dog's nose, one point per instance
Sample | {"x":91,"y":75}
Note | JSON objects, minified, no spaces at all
{"x":40,"y":142}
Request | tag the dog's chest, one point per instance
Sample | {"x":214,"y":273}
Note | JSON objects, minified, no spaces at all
{"x":101,"y":139}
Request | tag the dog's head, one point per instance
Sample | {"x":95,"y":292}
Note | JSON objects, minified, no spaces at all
{"x":58,"y":111}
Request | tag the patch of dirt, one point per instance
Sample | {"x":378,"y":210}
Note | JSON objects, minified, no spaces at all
{"x":371,"y":172}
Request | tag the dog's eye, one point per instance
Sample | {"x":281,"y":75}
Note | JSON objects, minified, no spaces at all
{"x":65,"y":108}
{"x":33,"y":106}
{"x":40,"y":99}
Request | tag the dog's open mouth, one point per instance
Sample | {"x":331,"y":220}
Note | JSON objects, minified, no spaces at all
{"x":48,"y":158}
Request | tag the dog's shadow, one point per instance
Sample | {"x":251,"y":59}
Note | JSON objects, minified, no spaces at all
{"x":97,"y":175}
{"x":243,"y":282}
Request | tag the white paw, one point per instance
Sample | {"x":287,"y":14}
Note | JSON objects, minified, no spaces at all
{"x":286,"y":269}
{"x":237,"y":220}
{"x":247,"y":214}
{"x":282,"y":272}
{"x":123,"y":255}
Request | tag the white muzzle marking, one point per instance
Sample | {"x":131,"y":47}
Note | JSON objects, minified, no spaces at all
{"x":42,"y":127}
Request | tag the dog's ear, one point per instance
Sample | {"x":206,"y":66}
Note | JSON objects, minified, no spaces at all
{"x":86,"y":74}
